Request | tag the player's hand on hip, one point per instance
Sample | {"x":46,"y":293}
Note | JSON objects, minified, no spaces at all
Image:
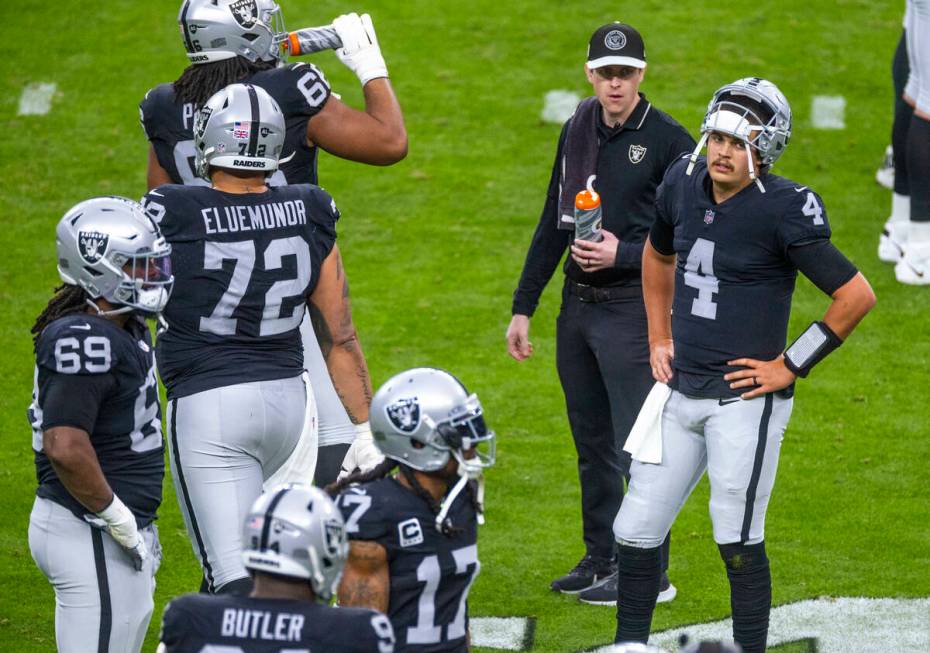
{"x":120,"y":523}
{"x":360,"y":51}
{"x":518,"y":338}
{"x":363,"y":455}
{"x":762,"y":376}
{"x":661,"y":354}
{"x":593,"y":256}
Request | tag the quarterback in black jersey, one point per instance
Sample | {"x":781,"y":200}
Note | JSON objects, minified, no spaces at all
{"x":719,"y":271}
{"x":294,"y":548}
{"x":248,"y":258}
{"x":413,"y":536}
{"x":231,"y":41}
{"x":96,"y":424}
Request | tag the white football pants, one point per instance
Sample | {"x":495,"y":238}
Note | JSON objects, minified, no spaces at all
{"x":917,"y":27}
{"x":102,"y":604}
{"x":737,"y":442}
{"x":223,"y":444}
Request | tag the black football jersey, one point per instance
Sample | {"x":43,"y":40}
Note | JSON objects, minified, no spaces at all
{"x":733,"y":278}
{"x":301,"y":91}
{"x":430,"y":574}
{"x":195,"y":623}
{"x":244,"y":265}
{"x":94,"y":375}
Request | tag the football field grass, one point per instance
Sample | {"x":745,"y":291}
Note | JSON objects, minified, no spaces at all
{"x":434,"y":247}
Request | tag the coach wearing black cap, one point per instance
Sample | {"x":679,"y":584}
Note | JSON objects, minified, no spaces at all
{"x":620,"y":144}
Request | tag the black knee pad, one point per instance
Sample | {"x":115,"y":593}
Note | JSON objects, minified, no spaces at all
{"x":238,"y":587}
{"x":750,"y":593}
{"x":639,"y":575}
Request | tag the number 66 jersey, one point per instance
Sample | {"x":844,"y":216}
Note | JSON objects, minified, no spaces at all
{"x":244,"y":265}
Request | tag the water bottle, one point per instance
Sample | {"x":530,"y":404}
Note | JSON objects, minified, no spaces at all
{"x":313,"y":39}
{"x":588,"y":216}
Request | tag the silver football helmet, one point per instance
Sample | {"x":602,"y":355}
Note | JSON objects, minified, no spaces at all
{"x":113,"y":250}
{"x":213,"y":30}
{"x":756,"y":112}
{"x":240,"y":127}
{"x":296,"y":530}
{"x":424,"y":416}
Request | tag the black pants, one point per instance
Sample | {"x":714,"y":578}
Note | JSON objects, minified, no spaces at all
{"x":602,"y":355}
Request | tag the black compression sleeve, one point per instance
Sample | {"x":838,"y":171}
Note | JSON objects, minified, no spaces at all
{"x":73,"y":399}
{"x":822,"y":263}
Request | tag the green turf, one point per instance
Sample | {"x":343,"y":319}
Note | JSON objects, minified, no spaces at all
{"x":434,"y":247}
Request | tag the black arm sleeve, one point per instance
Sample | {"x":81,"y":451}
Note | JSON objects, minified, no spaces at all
{"x":822,"y":263}
{"x":546,"y":250}
{"x":73,"y":399}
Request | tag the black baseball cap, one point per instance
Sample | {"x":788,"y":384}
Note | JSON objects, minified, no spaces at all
{"x":616,"y":44}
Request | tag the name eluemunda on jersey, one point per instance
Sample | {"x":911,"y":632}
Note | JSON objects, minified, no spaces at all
{"x":244,"y":265}
{"x":198,"y":622}
{"x":94,"y":375}
{"x":430,"y":573}
{"x":733,"y":279}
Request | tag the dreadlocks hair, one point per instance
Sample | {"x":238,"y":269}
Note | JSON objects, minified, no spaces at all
{"x":379,"y":471}
{"x":200,"y":81}
{"x":67,"y":299}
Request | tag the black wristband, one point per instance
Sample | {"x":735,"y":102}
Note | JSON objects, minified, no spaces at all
{"x":811,"y":347}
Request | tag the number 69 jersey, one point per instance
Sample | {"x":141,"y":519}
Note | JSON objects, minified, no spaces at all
{"x":734,"y":278}
{"x":244,"y":265}
{"x":300,"y":90}
{"x":94,"y":375}
{"x":430,"y":574}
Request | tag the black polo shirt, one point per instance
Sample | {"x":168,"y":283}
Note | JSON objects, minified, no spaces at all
{"x":627,"y":184}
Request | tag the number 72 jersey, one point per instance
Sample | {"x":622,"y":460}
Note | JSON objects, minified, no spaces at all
{"x":244,"y":265}
{"x":430,"y":573}
{"x":734,"y":277}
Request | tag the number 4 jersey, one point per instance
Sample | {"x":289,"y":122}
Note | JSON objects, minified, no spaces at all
{"x":734,"y":275}
{"x":244,"y":265}
{"x":430,"y":573}
{"x":299,"y":89}
{"x":94,"y":375}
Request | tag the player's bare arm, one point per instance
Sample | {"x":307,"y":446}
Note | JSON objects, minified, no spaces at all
{"x":376,"y":136}
{"x":851,"y":302}
{"x":366,"y":580}
{"x":155,"y":175}
{"x":658,"y":290}
{"x":75,"y":462}
{"x":335,"y":330}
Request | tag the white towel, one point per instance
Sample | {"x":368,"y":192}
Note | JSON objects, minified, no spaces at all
{"x":301,"y":464}
{"x":645,"y":440}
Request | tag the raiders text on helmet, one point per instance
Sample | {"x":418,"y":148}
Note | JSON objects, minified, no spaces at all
{"x":113,"y":250}
{"x":213,"y":30}
{"x":296,"y":530}
{"x":240,"y":127}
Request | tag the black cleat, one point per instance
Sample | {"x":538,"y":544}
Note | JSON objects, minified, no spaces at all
{"x":605,"y":592}
{"x":588,"y":572}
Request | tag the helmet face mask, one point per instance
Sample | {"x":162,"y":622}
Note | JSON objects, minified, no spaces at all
{"x":240,"y":127}
{"x":113,"y":250}
{"x":296,"y":531}
{"x":214,"y":30}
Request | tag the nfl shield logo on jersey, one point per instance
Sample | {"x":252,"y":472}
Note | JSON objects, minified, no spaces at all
{"x":708,"y":216}
{"x":404,"y":414}
{"x":92,"y":245}
{"x":637,"y":152}
{"x":245,"y":12}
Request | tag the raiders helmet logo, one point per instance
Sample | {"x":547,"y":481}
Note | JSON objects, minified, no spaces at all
{"x":333,"y":536}
{"x":92,"y":245}
{"x":404,"y":414}
{"x":637,"y":152}
{"x":615,"y":40}
{"x":245,"y":12}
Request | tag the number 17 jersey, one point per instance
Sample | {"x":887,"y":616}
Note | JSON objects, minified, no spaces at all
{"x":244,"y":265}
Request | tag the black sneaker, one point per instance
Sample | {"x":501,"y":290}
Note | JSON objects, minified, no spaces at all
{"x":585,"y":574}
{"x":605,"y":592}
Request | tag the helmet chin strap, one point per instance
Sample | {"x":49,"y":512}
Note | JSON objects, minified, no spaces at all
{"x":115,"y":311}
{"x":453,"y":494}
{"x":752,"y":168}
{"x":697,"y":152}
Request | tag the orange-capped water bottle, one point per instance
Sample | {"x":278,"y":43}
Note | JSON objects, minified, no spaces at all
{"x":312,"y":39}
{"x":588,"y":216}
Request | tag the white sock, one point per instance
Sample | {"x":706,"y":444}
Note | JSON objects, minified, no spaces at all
{"x":919,"y":233}
{"x":900,"y":208}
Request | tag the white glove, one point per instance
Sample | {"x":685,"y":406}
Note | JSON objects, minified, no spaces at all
{"x":360,"y":51}
{"x":363,"y":454}
{"x":120,"y":523}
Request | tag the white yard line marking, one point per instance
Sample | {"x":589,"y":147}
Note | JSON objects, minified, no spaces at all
{"x":828,"y":111}
{"x":501,"y":633}
{"x":36,"y":99}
